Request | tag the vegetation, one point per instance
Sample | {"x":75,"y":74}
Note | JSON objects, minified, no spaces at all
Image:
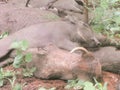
{"x":85,"y":85}
{"x":5,"y":75}
{"x":106,"y":17}
{"x":22,"y":58}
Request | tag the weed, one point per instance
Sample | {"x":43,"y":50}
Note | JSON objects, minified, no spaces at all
{"x":22,"y":58}
{"x":5,"y":75}
{"x":85,"y":85}
{"x":106,"y":17}
{"x":15,"y":86}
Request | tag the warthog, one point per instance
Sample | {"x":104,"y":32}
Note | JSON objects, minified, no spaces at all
{"x":54,"y":63}
{"x":63,"y":34}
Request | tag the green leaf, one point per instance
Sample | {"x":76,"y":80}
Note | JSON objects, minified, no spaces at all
{"x":104,"y":4}
{"x":17,"y":87}
{"x":113,"y":1}
{"x":28,"y":57}
{"x":23,"y":45}
{"x":116,"y":19}
{"x":15,"y":45}
{"x":28,"y":72}
{"x":88,"y":86}
{"x":8,"y":73}
{"x":17,"y":61}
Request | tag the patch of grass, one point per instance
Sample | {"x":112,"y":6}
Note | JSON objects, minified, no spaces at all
{"x":106,"y":17}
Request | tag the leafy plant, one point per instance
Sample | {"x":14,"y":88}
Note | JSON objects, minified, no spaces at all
{"x":85,"y":85}
{"x":4,"y":75}
{"x":15,"y":86}
{"x":28,"y":72}
{"x":106,"y":17}
{"x":22,"y":58}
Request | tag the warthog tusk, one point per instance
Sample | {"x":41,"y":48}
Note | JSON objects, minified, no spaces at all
{"x":79,"y":48}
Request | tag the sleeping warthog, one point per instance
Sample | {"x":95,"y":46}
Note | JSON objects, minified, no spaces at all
{"x":61,"y":33}
{"x":13,"y":18}
{"x":55,"y":63}
{"x":109,"y":58}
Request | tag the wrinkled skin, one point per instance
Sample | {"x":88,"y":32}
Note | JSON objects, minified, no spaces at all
{"x":55,"y":63}
{"x":13,"y":18}
{"x":61,"y":33}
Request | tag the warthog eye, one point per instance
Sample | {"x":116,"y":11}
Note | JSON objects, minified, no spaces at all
{"x":96,"y":41}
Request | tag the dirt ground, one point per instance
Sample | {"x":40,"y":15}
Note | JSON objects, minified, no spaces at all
{"x":32,"y":83}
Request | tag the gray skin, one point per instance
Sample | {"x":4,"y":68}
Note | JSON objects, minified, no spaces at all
{"x":61,"y":33}
{"x":59,"y":4}
{"x":109,"y":58}
{"x":13,"y":18}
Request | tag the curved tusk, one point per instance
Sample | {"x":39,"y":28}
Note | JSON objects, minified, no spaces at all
{"x":79,"y":48}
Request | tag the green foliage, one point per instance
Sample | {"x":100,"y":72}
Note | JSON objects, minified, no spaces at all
{"x":22,"y":58}
{"x":20,"y":45}
{"x":28,"y":72}
{"x":42,"y":88}
{"x":15,"y":86}
{"x":106,"y":17}
{"x":85,"y":85}
{"x":4,"y":75}
{"x":3,"y":35}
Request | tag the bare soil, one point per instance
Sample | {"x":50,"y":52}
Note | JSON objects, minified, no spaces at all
{"x":32,"y":83}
